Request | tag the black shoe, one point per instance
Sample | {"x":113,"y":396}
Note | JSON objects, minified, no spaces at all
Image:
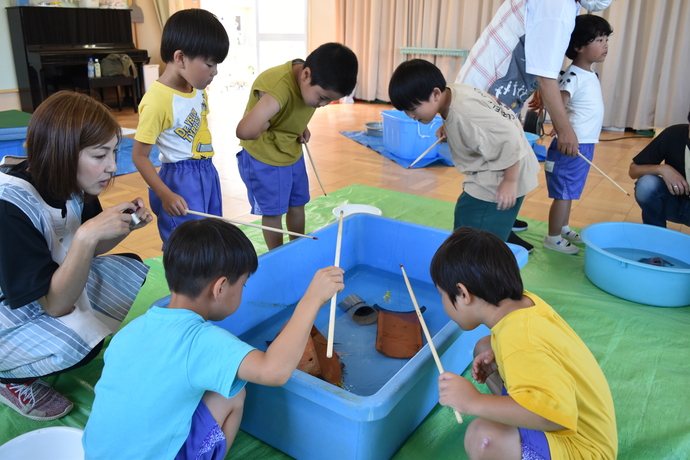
{"x":514,"y":239}
{"x":519,"y":225}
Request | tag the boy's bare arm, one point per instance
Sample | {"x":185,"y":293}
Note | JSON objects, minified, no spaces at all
{"x":276,"y":365}
{"x":173,"y":204}
{"x":256,"y":121}
{"x":460,"y":394}
{"x":506,"y":195}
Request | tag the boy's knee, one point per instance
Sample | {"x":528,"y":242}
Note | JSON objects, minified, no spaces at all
{"x":480,"y":442}
{"x":481,"y":345}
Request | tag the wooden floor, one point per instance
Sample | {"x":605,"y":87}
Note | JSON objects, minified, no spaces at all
{"x":342,"y":162}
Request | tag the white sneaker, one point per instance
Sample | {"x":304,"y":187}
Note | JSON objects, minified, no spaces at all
{"x":562,"y":245}
{"x":572,"y":236}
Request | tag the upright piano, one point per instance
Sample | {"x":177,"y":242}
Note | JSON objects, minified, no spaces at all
{"x":52,"y":46}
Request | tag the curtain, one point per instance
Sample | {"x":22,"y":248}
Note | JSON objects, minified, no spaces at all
{"x":649,"y":51}
{"x":162,"y":8}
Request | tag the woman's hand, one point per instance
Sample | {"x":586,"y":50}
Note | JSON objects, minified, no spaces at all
{"x":143,"y":215}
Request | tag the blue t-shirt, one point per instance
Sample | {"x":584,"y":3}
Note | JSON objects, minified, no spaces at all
{"x":157,"y":369}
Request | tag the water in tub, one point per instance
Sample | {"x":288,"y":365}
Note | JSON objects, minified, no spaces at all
{"x":366,"y":370}
{"x":640,"y":255}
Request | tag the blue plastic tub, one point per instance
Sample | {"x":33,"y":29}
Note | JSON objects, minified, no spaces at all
{"x":383,"y":399}
{"x":407,"y":138}
{"x":612,"y":262}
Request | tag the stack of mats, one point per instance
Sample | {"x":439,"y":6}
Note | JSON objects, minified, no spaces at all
{"x":13,"y":125}
{"x":642,"y":350}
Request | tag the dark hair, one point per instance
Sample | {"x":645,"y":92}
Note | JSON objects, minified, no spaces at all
{"x":202,"y":250}
{"x":587,"y":28}
{"x":413,"y":82}
{"x":479,"y":260}
{"x":61,"y":127}
{"x":333,"y":67}
{"x":197,"y":33}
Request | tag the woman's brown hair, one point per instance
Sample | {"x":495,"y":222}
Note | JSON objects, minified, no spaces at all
{"x":60,"y":128}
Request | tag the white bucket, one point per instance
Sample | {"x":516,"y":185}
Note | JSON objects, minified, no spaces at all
{"x":45,"y":444}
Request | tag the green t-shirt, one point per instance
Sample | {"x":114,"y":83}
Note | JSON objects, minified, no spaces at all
{"x":278,"y":145}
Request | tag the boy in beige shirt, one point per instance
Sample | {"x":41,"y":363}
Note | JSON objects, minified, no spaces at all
{"x":486,"y":140}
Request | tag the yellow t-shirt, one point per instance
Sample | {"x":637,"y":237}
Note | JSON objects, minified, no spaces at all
{"x":547,"y":369}
{"x":278,"y":145}
{"x":176,"y":122}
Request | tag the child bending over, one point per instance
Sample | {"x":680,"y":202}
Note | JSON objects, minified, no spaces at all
{"x":549,"y":398}
{"x":486,"y":141}
{"x":282,"y":101}
{"x":173,"y":383}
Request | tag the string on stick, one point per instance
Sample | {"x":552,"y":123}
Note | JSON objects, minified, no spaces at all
{"x":426,"y":152}
{"x":331,"y":321}
{"x":602,"y":173}
{"x":263,"y":227}
{"x":426,"y":332}
{"x":313,"y":166}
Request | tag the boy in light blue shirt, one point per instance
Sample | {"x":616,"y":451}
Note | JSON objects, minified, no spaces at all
{"x":173,"y":383}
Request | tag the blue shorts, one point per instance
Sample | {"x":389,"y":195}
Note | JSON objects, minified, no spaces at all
{"x":534,"y":443}
{"x":194,"y":180}
{"x":272,"y":190}
{"x":206,"y":441}
{"x":566,"y":176}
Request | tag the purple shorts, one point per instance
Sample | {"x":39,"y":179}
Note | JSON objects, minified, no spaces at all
{"x":272,"y":190}
{"x":206,"y":441}
{"x":534,"y":443}
{"x":566,"y":176}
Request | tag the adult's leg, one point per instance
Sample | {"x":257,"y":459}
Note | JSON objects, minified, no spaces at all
{"x":654,"y":199}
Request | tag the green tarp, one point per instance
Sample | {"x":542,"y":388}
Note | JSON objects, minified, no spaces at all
{"x":642,"y":350}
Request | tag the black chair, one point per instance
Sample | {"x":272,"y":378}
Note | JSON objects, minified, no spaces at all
{"x":117,"y":82}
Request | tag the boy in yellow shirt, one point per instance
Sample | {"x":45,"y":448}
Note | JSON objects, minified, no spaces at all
{"x":549,"y":398}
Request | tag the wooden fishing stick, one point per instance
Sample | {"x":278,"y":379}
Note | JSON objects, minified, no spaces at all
{"x":313,"y":166}
{"x":262,"y":227}
{"x":602,"y":173}
{"x":331,"y":321}
{"x":426,"y":332}
{"x":425,"y":152}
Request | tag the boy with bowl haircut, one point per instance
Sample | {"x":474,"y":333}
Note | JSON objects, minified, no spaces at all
{"x":549,"y":398}
{"x":173,"y":115}
{"x":581,"y":94}
{"x":282,"y":101}
{"x":486,"y":140}
{"x":173,"y":383}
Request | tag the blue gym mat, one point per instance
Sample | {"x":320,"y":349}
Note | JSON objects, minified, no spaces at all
{"x":442,"y":158}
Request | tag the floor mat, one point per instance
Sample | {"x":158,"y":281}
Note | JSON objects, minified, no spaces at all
{"x":124,"y":157}
{"x":442,"y":158}
{"x":642,"y":350}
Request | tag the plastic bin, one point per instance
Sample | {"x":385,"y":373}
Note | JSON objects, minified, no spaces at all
{"x":382,"y":400}
{"x":407,"y":138}
{"x":15,"y":147}
{"x":614,"y":252}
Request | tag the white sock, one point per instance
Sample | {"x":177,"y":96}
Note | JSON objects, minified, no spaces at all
{"x":554,"y":239}
{"x":565,"y":229}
